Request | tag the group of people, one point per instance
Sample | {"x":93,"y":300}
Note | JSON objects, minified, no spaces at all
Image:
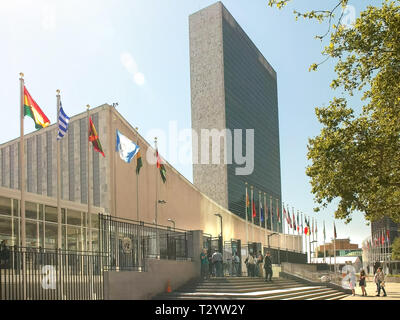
{"x":212,"y":265}
{"x":256,"y":263}
{"x":379,"y":279}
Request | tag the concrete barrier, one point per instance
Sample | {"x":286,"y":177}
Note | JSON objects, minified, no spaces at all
{"x":131,"y":285}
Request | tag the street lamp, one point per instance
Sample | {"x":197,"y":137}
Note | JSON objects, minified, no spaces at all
{"x":173,"y":222}
{"x":310,"y":248}
{"x":221,"y":245}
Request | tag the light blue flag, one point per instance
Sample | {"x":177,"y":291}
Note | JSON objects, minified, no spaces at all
{"x":126,"y":148}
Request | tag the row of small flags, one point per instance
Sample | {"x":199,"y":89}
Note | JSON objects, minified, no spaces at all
{"x":379,"y":239}
{"x":126,"y":148}
{"x":295,"y":222}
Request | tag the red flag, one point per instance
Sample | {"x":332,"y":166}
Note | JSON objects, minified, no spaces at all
{"x":94,"y":138}
{"x":254,"y":208}
{"x":388,"y":236}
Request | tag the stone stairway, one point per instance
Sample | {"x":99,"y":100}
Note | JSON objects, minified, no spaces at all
{"x":242,"y":288}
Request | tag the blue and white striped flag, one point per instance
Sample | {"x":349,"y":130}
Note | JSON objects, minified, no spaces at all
{"x":63,"y":121}
{"x":127,"y":149}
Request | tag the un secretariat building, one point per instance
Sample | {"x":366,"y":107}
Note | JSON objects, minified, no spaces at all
{"x":232,"y":87}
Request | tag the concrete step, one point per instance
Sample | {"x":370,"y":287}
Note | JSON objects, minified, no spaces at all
{"x":240,"y":289}
{"x":252,"y":289}
{"x":255,"y":295}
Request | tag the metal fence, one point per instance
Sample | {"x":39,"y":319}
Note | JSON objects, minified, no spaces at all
{"x":37,"y":274}
{"x":129,"y":243}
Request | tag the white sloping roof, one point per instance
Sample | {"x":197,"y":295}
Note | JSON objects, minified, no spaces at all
{"x":339,"y":260}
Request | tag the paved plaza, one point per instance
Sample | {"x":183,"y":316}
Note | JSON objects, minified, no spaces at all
{"x":392,"y":290}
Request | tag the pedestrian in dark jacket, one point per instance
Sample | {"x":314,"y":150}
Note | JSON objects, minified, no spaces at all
{"x":268,"y":267}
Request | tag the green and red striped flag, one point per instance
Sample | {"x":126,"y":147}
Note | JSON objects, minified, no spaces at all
{"x":161,"y":166}
{"x":32,"y":110}
{"x":94,"y":138}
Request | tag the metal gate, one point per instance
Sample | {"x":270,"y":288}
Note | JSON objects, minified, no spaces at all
{"x":232,"y":258}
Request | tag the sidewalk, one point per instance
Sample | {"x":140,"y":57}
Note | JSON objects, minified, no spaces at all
{"x":392,"y":290}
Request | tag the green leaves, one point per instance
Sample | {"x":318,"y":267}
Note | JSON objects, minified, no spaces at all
{"x":356,"y":157}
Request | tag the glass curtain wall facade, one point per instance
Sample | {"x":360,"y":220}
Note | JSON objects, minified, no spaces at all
{"x":42,"y":227}
{"x":251,"y":102}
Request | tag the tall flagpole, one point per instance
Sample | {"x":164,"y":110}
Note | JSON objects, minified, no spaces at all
{"x":324,"y":243}
{"x":334,"y":246}
{"x":22,"y":161}
{"x":247,"y":216}
{"x":156,"y":213}
{"x":89,"y":185}
{"x":137,"y":179}
{"x":265,"y":218}
{"x":270,"y":213}
{"x":252,"y":218}
{"x":259,"y":207}
{"x":59,"y":218}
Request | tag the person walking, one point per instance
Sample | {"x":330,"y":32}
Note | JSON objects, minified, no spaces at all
{"x":260,"y":260}
{"x":235,"y":264}
{"x":380,"y":281}
{"x":217,"y":261}
{"x":250,"y":265}
{"x":204,"y":263}
{"x":268,"y":267}
{"x":363,"y":282}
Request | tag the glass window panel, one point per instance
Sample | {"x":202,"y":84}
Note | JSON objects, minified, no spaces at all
{"x":95,"y":240}
{"x":41,"y":211}
{"x":63,"y":216}
{"x":5,"y":206}
{"x":95,"y":221}
{"x":32,"y":236}
{"x":15,"y":208}
{"x":31,"y":210}
{"x":6,"y":230}
{"x":73,"y":217}
{"x":16,"y":231}
{"x":51,"y":214}
{"x":50,"y":235}
{"x":74,"y":238}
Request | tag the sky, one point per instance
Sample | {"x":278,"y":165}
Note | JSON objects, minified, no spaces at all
{"x":136,"y":53}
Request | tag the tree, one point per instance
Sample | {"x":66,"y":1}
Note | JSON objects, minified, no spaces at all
{"x":356,"y":157}
{"x":396,"y":249}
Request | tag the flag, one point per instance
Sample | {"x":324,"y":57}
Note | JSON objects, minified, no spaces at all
{"x":63,"y":121}
{"x":334,"y":230}
{"x":388,"y":236}
{"x":94,"y":138}
{"x":298,"y":222}
{"x":277,"y":211}
{"x":383,"y":239}
{"x":286,"y":216}
{"x":290,"y":220}
{"x":261,"y":212}
{"x":32,"y":110}
{"x":139,"y":162}
{"x":254,"y":208}
{"x":161,"y":166}
{"x":126,"y":148}
{"x":294,"y":222}
{"x":247,"y":204}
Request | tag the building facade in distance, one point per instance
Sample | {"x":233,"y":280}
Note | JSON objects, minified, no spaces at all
{"x":343,"y":248}
{"x":234,"y":87}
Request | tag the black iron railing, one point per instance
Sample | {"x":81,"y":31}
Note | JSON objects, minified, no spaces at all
{"x":38,"y":274}
{"x":129,"y":243}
